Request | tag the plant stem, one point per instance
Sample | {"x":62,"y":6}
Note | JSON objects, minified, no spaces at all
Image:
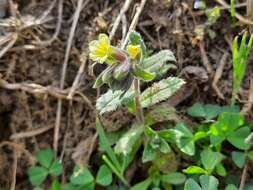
{"x":139,"y":110}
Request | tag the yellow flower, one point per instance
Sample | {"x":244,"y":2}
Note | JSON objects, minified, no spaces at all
{"x":101,"y":49}
{"x":133,"y":50}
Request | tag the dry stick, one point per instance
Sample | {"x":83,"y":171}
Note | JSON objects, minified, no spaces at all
{"x":119,"y":17}
{"x":64,"y":70}
{"x":14,"y":169}
{"x":244,"y":175}
{"x":248,"y":105}
{"x":12,"y":41}
{"x":32,"y":133}
{"x":218,"y":75}
{"x":237,"y":15}
{"x":205,"y":60}
{"x":47,"y":12}
{"x":58,"y":27}
{"x":77,"y":79}
{"x":134,"y":21}
{"x":37,"y":89}
{"x":124,"y":28}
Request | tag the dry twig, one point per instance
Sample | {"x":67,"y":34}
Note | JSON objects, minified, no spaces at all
{"x":248,"y":105}
{"x":64,"y":70}
{"x":218,"y":75}
{"x":119,"y":17}
{"x":205,"y":59}
{"x":37,"y":89}
{"x":134,"y":21}
{"x":32,"y":133}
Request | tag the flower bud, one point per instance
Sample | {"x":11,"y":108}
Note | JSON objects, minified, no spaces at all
{"x":122,"y":70}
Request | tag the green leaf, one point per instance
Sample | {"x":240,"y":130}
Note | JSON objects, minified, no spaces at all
{"x":55,"y":185}
{"x":200,"y":135}
{"x":231,"y":187}
{"x":70,"y":186}
{"x":81,"y":176}
{"x":104,"y":176}
{"x":212,"y":111}
{"x":142,"y":74}
{"x":250,"y":155}
{"x":56,"y":168}
{"x":37,"y":175}
{"x":45,"y":157}
{"x":210,"y":159}
{"x":144,"y":185}
{"x":221,"y":170}
{"x":174,"y":178}
{"x":38,"y":188}
{"x":184,"y":139}
{"x":160,"y":91}
{"x":208,"y":182}
{"x":104,"y":143}
{"x":111,"y":100}
{"x":239,"y":158}
{"x":194,"y":170}
{"x":128,"y":140}
{"x":149,"y":153}
{"x":157,"y":62}
{"x":197,"y":110}
{"x":231,"y":121}
{"x":191,"y":184}
{"x":237,"y":138}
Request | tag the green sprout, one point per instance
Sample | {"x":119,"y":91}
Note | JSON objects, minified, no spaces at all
{"x":240,"y":60}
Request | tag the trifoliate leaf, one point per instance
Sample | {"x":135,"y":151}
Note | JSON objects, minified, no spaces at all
{"x":208,"y":182}
{"x":210,"y":159}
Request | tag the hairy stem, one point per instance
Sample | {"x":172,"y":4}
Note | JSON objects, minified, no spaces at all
{"x":139,"y":110}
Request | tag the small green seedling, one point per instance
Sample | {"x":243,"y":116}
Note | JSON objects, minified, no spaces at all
{"x":48,"y":165}
{"x":240,"y":61}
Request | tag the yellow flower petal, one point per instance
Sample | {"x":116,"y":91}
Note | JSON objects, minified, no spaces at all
{"x":133,"y":50}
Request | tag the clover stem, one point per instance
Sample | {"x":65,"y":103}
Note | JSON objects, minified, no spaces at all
{"x":139,"y":110}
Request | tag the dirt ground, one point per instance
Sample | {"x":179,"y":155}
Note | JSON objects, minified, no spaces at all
{"x":33,"y":55}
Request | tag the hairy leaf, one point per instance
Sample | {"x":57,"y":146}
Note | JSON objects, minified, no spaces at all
{"x":160,"y":91}
{"x":111,"y":100}
{"x":156,"y":63}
